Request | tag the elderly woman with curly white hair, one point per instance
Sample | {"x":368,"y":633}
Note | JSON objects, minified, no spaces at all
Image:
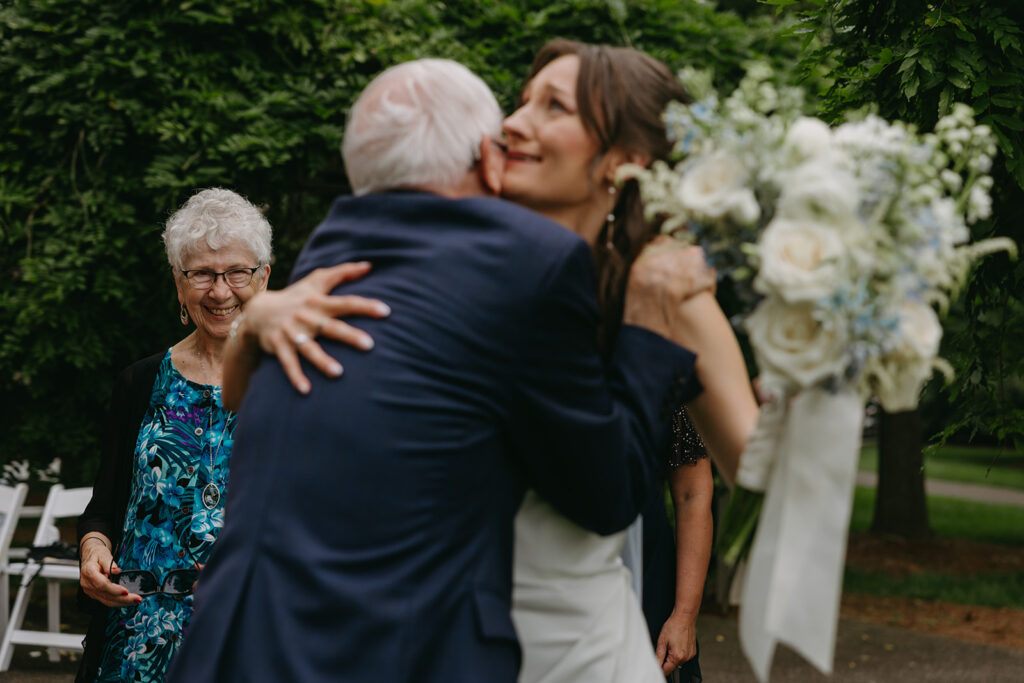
{"x":158,"y":500}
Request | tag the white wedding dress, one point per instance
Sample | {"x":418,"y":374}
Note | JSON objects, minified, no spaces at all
{"x":573,"y":605}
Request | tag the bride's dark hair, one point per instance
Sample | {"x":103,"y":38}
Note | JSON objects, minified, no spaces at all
{"x":621,"y":94}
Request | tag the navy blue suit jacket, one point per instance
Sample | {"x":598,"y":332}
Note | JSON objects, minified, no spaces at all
{"x":368,"y":530}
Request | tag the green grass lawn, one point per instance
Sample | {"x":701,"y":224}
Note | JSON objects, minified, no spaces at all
{"x":968,"y":464}
{"x":954,"y":518}
{"x":950,"y":518}
{"x":990,"y":590}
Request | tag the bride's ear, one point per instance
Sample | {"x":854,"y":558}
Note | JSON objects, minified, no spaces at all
{"x":491,"y":167}
{"x":616,"y":157}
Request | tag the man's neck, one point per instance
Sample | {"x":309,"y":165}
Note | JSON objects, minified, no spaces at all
{"x":468,"y":186}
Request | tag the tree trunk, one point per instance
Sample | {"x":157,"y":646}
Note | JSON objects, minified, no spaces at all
{"x":900,"y":505}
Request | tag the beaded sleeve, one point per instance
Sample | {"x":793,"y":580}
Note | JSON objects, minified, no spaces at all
{"x":686,"y":447}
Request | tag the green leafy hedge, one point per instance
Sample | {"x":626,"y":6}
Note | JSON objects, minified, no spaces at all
{"x":112,"y":113}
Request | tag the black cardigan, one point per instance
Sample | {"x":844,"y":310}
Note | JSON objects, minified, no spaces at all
{"x":106,"y":511}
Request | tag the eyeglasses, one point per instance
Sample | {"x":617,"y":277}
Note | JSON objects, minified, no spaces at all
{"x":205,"y":279}
{"x":177,"y":582}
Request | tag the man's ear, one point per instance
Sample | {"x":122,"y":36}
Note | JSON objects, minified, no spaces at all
{"x":491,"y":168}
{"x":616,"y":157}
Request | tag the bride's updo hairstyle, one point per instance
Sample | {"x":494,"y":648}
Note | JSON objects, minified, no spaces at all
{"x":621,"y":94}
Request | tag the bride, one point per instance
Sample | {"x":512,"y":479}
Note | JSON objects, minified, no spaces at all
{"x":585,"y":111}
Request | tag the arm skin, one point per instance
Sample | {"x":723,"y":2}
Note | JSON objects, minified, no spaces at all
{"x":272,"y":321}
{"x":726,"y":411}
{"x":692,"y":488}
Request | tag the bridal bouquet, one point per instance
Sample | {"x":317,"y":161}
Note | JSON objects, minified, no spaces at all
{"x":845,"y":240}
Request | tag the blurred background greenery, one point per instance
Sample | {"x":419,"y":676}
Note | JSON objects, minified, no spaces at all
{"x":111,"y":114}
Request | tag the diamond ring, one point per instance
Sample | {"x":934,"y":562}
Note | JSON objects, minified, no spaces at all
{"x":301,"y":338}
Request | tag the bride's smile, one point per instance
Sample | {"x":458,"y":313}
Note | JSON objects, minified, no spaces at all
{"x":549,"y":166}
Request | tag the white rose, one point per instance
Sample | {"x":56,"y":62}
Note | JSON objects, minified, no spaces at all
{"x":801,"y":260}
{"x":792,"y":347}
{"x":715,"y":186}
{"x":898,"y":382}
{"x":819,"y":191}
{"x":808,"y":138}
{"x":901,"y":373}
{"x":919,"y":330}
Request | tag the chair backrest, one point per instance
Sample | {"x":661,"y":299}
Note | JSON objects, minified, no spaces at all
{"x":60,"y":503}
{"x":11,"y":500}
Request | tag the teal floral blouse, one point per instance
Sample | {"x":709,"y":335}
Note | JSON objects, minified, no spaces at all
{"x":184,"y":445}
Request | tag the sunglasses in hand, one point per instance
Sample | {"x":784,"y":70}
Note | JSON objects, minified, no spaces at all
{"x":177,"y":582}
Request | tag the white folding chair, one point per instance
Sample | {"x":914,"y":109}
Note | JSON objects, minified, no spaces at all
{"x":12,"y":499}
{"x":60,"y":503}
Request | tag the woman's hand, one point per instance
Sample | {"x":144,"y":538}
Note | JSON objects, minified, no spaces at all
{"x":97,"y":564}
{"x":677,"y":642}
{"x":666,"y":274}
{"x":285,"y":323}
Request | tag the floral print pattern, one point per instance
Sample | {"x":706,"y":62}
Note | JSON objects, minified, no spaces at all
{"x":184,"y":443}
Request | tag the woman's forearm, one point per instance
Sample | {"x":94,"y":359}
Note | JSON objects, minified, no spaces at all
{"x":692,"y":488}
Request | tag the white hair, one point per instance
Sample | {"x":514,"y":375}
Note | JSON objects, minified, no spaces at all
{"x":418,"y":124}
{"x":215,"y":218}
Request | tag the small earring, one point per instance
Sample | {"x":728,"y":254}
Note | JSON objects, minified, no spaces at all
{"x":609,"y":221}
{"x":183,"y":315}
{"x":611,"y":215}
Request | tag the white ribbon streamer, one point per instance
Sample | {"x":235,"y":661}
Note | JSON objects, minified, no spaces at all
{"x":762,"y":447}
{"x":794,"y":575}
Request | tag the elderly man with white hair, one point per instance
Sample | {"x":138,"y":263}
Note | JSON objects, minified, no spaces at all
{"x":369,"y":532}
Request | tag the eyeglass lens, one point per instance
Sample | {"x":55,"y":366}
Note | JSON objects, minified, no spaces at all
{"x":239,"y":277}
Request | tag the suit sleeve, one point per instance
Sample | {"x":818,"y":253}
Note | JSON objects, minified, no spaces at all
{"x":592,"y":436}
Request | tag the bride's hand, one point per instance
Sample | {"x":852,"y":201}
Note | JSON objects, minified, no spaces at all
{"x":286,"y":323}
{"x":666,"y":274}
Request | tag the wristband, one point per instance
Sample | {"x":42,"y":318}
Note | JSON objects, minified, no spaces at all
{"x":94,"y":538}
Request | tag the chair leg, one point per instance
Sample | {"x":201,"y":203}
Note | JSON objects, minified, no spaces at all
{"x":53,"y":615}
{"x":5,"y":601}
{"x":17,"y":616}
